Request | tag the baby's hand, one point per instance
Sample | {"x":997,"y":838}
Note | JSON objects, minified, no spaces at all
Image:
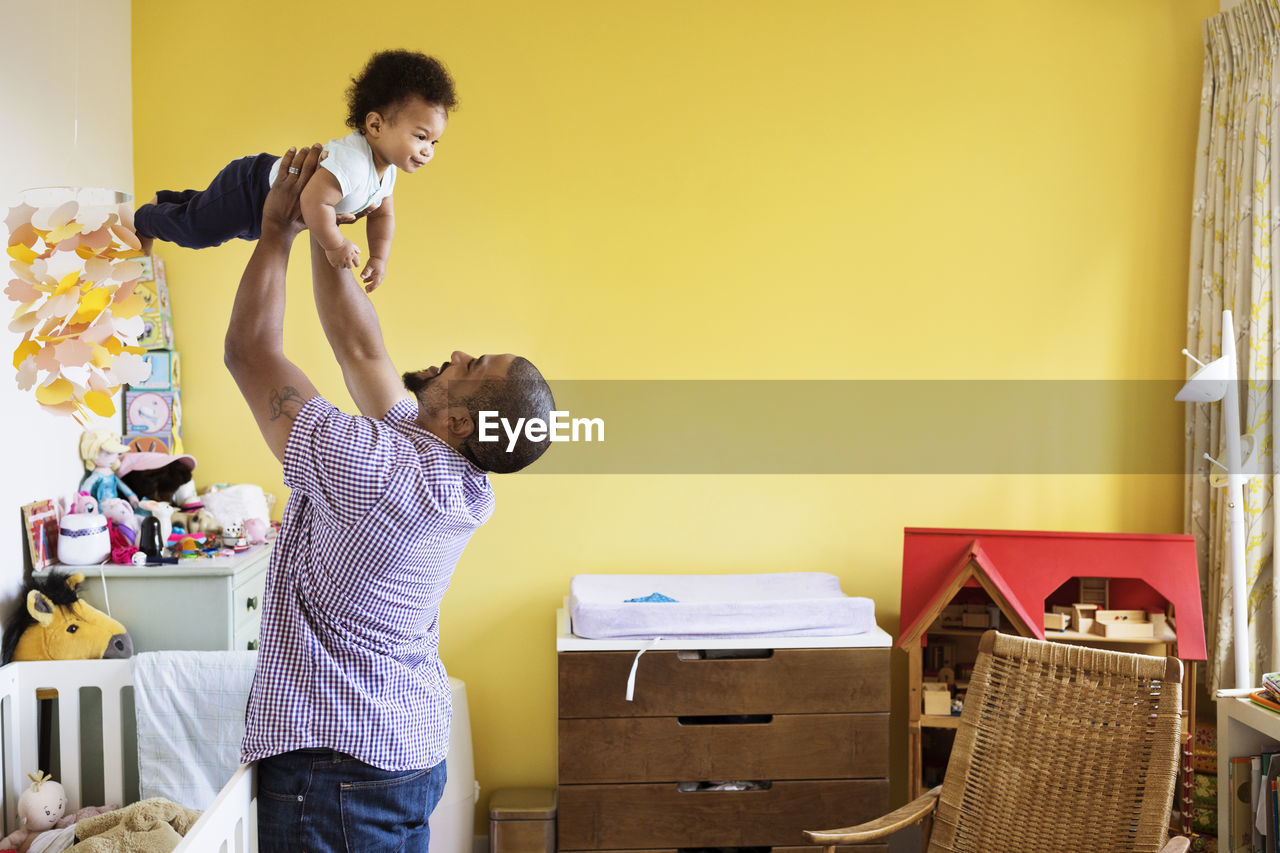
{"x":346,"y":256}
{"x":373,"y":273}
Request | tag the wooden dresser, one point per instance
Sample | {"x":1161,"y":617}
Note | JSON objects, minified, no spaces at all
{"x":803,"y":723}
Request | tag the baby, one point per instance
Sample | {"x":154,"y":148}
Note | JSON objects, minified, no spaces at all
{"x":398,"y":108}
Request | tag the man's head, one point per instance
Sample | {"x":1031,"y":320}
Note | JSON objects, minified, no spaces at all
{"x":401,"y":103}
{"x":452,"y":396}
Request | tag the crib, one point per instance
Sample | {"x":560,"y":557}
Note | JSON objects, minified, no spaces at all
{"x":96,"y":757}
{"x":227,"y":825}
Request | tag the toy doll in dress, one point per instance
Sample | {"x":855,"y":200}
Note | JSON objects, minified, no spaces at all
{"x":100,"y":450}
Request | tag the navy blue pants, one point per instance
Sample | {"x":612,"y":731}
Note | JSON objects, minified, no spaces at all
{"x":322,"y":801}
{"x":231,"y":206}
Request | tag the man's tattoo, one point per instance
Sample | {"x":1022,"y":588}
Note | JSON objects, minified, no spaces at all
{"x":285,"y":401}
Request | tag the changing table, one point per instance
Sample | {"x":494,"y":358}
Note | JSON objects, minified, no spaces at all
{"x":728,"y":742}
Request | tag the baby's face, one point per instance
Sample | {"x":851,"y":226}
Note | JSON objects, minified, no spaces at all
{"x":407,"y":137}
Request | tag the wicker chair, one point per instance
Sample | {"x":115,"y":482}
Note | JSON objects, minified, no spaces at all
{"x":1060,"y":748}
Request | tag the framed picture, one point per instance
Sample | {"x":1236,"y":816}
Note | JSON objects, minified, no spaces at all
{"x":40,"y":520}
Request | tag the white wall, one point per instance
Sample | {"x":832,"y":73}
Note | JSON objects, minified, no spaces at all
{"x":66,"y":102}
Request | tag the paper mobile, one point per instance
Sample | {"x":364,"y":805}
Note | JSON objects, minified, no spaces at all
{"x":77,"y":313}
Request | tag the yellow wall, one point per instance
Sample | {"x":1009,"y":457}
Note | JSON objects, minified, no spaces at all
{"x":717,"y":190}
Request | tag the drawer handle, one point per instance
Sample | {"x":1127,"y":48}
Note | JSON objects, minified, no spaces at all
{"x":724,"y":787}
{"x":252,"y":645}
{"x":726,"y":720}
{"x":251,"y":603}
{"x":724,"y":654}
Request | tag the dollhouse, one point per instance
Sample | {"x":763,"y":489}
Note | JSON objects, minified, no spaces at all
{"x":1137,"y":593}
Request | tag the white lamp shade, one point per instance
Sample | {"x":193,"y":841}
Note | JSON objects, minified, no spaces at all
{"x":1208,"y":384}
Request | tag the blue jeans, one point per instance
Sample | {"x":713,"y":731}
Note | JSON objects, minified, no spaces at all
{"x":323,"y":801}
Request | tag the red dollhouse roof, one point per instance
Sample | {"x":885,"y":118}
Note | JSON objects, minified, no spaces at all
{"x":1028,"y":566}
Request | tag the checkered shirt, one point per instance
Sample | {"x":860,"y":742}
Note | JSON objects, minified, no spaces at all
{"x":379,"y":513}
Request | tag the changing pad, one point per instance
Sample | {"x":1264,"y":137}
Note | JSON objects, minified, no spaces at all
{"x":782,"y":604}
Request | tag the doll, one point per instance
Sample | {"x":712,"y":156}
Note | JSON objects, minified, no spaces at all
{"x":39,"y":808}
{"x":100,"y":450}
{"x":121,"y":515}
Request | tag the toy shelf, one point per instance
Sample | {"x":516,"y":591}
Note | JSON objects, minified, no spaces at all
{"x":937,"y":721}
{"x":1244,"y":728}
{"x":1164,"y":637}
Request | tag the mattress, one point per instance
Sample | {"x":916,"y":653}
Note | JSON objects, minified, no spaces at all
{"x":780,"y":604}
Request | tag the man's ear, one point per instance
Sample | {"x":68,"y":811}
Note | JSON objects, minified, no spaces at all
{"x":460,"y":423}
{"x":374,"y":122}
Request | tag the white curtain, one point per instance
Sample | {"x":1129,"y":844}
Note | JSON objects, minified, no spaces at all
{"x":1233,"y":255}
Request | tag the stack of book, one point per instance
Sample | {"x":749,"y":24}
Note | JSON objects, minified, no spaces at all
{"x":1253,"y":781}
{"x":1269,"y":695}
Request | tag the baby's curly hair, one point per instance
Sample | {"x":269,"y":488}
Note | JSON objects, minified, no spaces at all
{"x":390,"y":77}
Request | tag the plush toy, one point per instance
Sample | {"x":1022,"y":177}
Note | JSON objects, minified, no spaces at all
{"x":39,"y":808}
{"x":119,"y":512}
{"x":196,"y":520}
{"x":55,"y":624}
{"x":22,"y":841}
{"x":83,"y":503}
{"x":100,"y":451}
{"x":42,"y":803}
{"x":124,"y":526}
{"x":255,"y":530}
{"x":147,"y":826}
{"x":237,"y":503}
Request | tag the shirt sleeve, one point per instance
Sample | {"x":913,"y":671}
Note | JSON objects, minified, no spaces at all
{"x":343,"y":463}
{"x":345,"y":164}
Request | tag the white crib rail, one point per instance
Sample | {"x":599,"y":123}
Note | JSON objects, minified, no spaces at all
{"x":227,"y":825}
{"x":19,"y":684}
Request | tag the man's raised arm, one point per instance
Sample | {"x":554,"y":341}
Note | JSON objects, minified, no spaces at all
{"x":351,"y":325}
{"x":274,"y":387}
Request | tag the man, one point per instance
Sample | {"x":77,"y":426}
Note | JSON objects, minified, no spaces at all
{"x":349,"y":712}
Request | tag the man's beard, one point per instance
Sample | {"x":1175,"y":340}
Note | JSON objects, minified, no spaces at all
{"x":418,"y":381}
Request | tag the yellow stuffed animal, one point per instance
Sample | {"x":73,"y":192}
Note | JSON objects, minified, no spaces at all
{"x":57,"y":624}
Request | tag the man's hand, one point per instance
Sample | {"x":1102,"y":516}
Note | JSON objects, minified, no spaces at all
{"x":373,"y":273}
{"x":344,"y":257}
{"x":281,"y":212}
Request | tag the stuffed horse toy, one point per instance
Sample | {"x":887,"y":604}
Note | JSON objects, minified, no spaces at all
{"x":56,"y":624}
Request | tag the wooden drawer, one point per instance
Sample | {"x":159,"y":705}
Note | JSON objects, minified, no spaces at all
{"x":857,"y":848}
{"x":677,"y":683}
{"x":675,"y":749}
{"x":618,"y":817}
